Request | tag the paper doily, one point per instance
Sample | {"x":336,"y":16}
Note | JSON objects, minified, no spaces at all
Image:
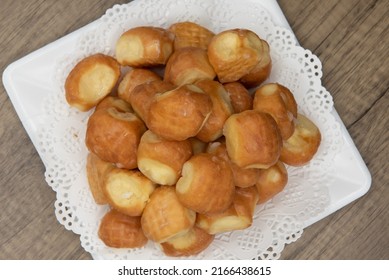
{"x":276,"y":223}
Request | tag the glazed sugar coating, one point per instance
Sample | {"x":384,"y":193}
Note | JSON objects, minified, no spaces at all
{"x":180,"y":113}
{"x":300,"y":148}
{"x":190,"y":34}
{"x":234,"y":53}
{"x":92,"y":79}
{"x":96,"y":171}
{"x":238,"y":216}
{"x":253,"y":139}
{"x":243,"y":177}
{"x":261,"y":71}
{"x":144,"y":46}
{"x":241,"y":100}
{"x":135,"y":77}
{"x":279,"y":102}
{"x":271,"y":181}
{"x":206,"y":184}
{"x":118,"y":230}
{"x":161,"y":160}
{"x":191,"y":243}
{"x":127,"y":190}
{"x":187,"y":66}
{"x":221,"y":110}
{"x":114,"y":136}
{"x":165,"y":217}
{"x":143,"y":95}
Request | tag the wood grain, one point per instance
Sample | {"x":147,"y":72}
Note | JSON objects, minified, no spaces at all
{"x":351,"y":38}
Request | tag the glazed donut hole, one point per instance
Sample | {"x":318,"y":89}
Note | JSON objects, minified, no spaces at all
{"x":242,"y":177}
{"x":92,"y":79}
{"x":271,"y":181}
{"x":300,"y":148}
{"x":221,"y":110}
{"x":190,"y":34}
{"x":118,"y":230}
{"x":279,"y":102}
{"x":241,"y":100}
{"x":180,"y":113}
{"x":114,"y":136}
{"x":234,"y":53}
{"x":191,"y":243}
{"x":143,"y":95}
{"x":187,"y":66}
{"x":165,"y":217}
{"x":161,"y":160}
{"x":96,"y":171}
{"x":128,"y":190}
{"x":237,"y":217}
{"x":206,"y":184}
{"x":133,"y":78}
{"x":261,"y":71}
{"x":252,"y":139}
{"x":144,"y":46}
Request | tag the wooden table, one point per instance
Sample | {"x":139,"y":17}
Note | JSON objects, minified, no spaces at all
{"x":351,"y":37}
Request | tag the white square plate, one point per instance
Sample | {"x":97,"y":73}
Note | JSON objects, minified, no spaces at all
{"x":28,"y":83}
